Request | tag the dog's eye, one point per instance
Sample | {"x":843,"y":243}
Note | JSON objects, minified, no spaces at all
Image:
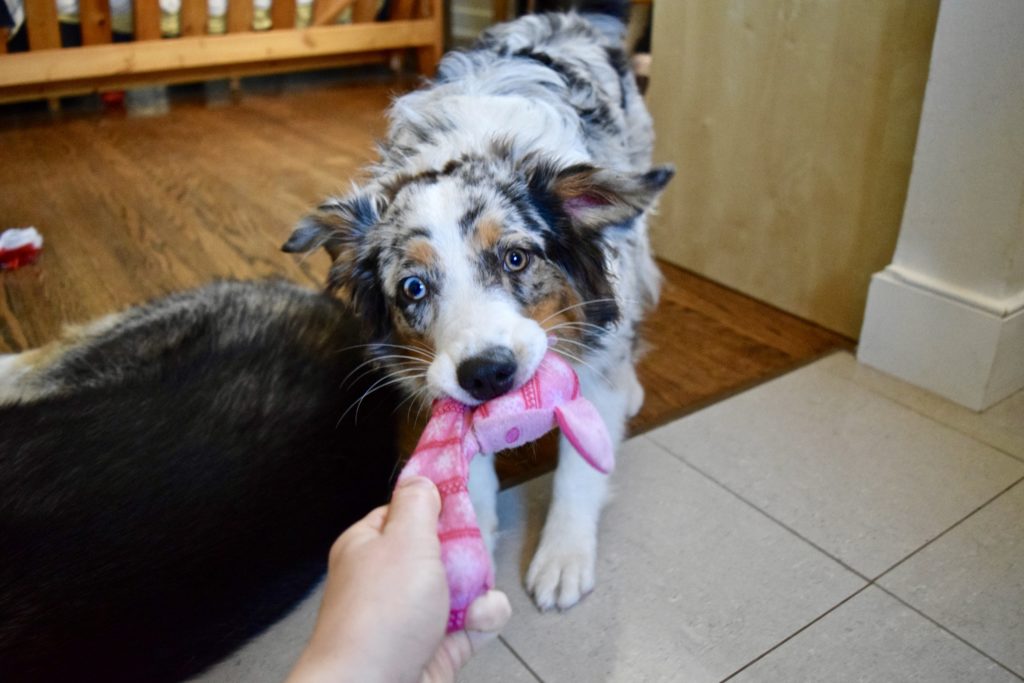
{"x":516,"y":260}
{"x":414,"y":288}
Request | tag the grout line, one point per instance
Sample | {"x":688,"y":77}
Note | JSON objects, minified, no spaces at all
{"x":669,"y":417}
{"x":762,"y":512}
{"x":947,"y":630}
{"x":522,"y":661}
{"x":797,"y":632}
{"x":947,"y":530}
{"x":870,"y":581}
{"x":920,"y":412}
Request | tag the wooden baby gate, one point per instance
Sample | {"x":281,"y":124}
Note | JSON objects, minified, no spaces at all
{"x":48,"y":70}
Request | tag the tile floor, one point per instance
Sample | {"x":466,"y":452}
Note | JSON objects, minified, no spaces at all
{"x":831,"y":525}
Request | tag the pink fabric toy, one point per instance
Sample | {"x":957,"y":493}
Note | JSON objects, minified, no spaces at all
{"x":456,"y":433}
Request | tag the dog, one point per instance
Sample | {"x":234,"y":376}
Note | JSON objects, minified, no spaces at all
{"x":172,"y":478}
{"x":508,"y":211}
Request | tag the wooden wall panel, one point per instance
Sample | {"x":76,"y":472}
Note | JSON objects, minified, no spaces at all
{"x":792,"y":124}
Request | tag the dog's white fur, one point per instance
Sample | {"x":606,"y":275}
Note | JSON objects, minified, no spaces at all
{"x":543,"y":88}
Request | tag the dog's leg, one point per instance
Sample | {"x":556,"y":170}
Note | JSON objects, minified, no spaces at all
{"x":562,"y":570}
{"x":22,"y":374}
{"x":483,"y":491}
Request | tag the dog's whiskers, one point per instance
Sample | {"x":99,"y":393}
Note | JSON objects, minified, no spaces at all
{"x":409,"y":360}
{"x":577,"y":359}
{"x":566,"y":340}
{"x":386,"y":381}
{"x":576,"y":305}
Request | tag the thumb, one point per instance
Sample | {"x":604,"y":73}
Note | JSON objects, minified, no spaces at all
{"x":484,"y":620}
{"x":414,"y":510}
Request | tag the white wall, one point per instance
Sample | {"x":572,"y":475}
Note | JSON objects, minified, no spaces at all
{"x":948,"y":313}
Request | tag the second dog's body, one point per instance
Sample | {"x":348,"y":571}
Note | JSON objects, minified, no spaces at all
{"x":508,"y":212}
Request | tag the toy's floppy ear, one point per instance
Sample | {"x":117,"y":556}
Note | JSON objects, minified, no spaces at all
{"x":595,"y":197}
{"x":586,"y":431}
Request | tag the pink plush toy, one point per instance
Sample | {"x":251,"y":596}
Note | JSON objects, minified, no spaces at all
{"x":456,"y":432}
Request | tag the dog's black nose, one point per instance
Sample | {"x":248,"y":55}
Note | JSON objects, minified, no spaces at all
{"x":488,"y":374}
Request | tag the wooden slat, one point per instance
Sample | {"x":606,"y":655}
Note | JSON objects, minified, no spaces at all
{"x":364,"y":11}
{"x":4,"y":34}
{"x":402,"y":9}
{"x":177,"y":58}
{"x":499,"y":11}
{"x":193,"y":17}
{"x":282,"y":13}
{"x":239,"y":16}
{"x":94,"y":84}
{"x":427,"y":57}
{"x":325,"y":12}
{"x":94,"y":18}
{"x":41,"y":20}
{"x":146,"y":15}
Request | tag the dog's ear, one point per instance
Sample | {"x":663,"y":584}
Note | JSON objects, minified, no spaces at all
{"x":594,"y":197}
{"x":340,"y":226}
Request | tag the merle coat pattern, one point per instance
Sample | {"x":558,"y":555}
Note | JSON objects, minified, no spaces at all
{"x":507,"y":214}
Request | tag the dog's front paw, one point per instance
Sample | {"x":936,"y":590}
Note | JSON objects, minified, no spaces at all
{"x":562,"y":571}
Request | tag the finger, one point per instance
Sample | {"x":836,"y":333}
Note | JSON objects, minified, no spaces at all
{"x":414,"y":509}
{"x":485,"y":618}
{"x":366,"y":529}
{"x":455,"y":652}
{"x":375,"y":520}
{"x":489,"y":613}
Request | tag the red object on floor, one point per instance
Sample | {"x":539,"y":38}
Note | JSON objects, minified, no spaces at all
{"x":19,"y":247}
{"x":18,"y":257}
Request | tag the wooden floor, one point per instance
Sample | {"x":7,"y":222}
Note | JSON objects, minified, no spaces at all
{"x":135,"y":207}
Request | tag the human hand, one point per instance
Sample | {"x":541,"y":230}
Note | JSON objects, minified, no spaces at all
{"x":385,"y":604}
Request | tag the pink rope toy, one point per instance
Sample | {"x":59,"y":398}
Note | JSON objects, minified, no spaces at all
{"x":456,"y":433}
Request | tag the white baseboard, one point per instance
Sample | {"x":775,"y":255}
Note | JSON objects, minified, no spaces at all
{"x":967,"y":349}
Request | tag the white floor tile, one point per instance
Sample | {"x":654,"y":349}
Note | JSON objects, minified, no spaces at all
{"x":874,"y":639}
{"x":269,"y":657}
{"x":692,"y":582}
{"x":1001,"y":426}
{"x":972,"y":579}
{"x":861,"y":476}
{"x":495,"y":664}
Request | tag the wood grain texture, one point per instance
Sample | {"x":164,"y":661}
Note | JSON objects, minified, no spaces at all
{"x":146,"y":17}
{"x":182,"y":58}
{"x":133,"y":208}
{"x":41,"y":21}
{"x":94,"y":19}
{"x":282,"y":14}
{"x":239,"y":16}
{"x":793,"y":124}
{"x":193,"y":17}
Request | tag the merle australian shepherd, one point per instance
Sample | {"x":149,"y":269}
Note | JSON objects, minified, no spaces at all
{"x":509,"y":212}
{"x":171,"y":477}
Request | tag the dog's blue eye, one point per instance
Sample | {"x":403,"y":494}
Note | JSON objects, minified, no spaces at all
{"x":516,"y":260}
{"x":414,"y":288}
